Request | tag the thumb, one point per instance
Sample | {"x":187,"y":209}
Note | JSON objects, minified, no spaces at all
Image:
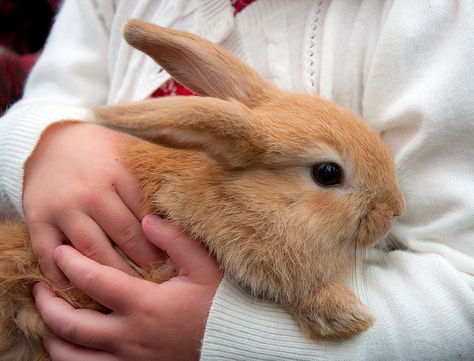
{"x":191,"y":257}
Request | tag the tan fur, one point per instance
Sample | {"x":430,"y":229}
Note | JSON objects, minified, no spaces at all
{"x":20,"y":324}
{"x":234,"y":169}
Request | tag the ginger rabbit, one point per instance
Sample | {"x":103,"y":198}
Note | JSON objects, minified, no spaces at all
{"x":281,"y":187}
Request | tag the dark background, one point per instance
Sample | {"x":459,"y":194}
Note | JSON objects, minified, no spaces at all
{"x":24,"y":27}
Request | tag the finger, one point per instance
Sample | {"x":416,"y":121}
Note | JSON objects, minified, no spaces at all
{"x":44,"y":239}
{"x":80,"y":326}
{"x":125,"y":230}
{"x":87,"y":237}
{"x":189,"y":255}
{"x":127,"y":188}
{"x":60,"y":350}
{"x":110,"y":287}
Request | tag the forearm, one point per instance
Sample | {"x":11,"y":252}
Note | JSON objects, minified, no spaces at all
{"x":19,"y":133}
{"x":420,"y":302}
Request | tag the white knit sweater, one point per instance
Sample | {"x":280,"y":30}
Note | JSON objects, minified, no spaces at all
{"x":406,"y":66}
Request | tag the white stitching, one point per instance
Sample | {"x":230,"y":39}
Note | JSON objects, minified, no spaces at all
{"x":312,"y":49}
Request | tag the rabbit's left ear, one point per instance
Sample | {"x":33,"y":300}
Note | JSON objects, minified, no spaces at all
{"x":223,"y":129}
{"x":199,"y":65}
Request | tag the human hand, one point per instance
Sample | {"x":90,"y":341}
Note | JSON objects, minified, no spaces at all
{"x":77,"y":190}
{"x":148,"y":321}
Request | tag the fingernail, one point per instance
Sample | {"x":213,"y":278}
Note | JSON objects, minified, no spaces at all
{"x":46,"y":341}
{"x":57,"y":253}
{"x":34,"y":289}
{"x":153,"y":219}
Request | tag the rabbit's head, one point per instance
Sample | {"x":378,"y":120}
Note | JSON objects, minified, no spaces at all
{"x":302,"y":181}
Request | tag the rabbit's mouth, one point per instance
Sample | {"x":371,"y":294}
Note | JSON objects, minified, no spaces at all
{"x":373,"y":227}
{"x":377,"y":220}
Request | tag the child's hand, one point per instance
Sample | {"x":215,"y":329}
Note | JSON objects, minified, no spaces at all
{"x":148,"y":321}
{"x":77,"y":190}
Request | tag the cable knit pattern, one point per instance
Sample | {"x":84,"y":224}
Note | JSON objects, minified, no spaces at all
{"x":171,"y":87}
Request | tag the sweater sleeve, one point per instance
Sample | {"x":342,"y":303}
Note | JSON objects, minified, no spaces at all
{"x":407,"y":68}
{"x":424,"y":310}
{"x":69,"y":78}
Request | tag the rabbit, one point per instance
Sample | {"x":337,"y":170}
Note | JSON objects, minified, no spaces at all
{"x":282,"y":188}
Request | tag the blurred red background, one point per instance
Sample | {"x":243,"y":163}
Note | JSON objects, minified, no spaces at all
{"x":24,"y":27}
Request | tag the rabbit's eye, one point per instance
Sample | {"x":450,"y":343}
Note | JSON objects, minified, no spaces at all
{"x":327,"y":174}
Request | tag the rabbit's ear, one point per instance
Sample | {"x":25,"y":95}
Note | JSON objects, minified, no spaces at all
{"x":198,"y":64}
{"x":223,"y":129}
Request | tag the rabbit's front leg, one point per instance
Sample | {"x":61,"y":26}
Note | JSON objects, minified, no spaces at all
{"x":331,"y":312}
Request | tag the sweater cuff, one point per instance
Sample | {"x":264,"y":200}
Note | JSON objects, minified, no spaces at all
{"x":20,"y":131}
{"x":240,"y":327}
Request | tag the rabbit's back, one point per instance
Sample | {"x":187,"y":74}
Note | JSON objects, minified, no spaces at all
{"x":21,"y":327}
{"x":20,"y":324}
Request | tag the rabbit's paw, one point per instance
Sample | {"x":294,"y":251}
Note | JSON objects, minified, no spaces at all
{"x":332,"y":312}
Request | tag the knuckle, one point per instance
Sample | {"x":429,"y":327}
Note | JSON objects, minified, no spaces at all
{"x":148,"y":310}
{"x":81,"y":237}
{"x":93,"y":199}
{"x":44,"y":263}
{"x":37,"y":226}
{"x":41,"y":242}
{"x":34,"y":213}
{"x":90,"y":280}
{"x":69,"y":331}
{"x":39,"y":250}
{"x":129,"y":237}
{"x":90,"y":249}
{"x":179,"y":237}
{"x":170,"y":232}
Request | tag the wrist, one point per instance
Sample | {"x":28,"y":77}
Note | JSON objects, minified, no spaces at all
{"x":20,"y":129}
{"x":50,"y":135}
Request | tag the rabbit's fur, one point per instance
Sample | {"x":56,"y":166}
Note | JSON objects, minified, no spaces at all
{"x":233,"y":167}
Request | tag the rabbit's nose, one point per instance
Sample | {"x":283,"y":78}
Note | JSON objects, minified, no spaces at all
{"x":398,"y":205}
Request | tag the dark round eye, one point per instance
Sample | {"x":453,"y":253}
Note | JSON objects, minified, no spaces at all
{"x":327,"y":174}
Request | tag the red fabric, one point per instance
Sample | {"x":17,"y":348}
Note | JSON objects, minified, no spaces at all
{"x":172,"y":87}
{"x":240,"y":5}
{"x":24,"y":26}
